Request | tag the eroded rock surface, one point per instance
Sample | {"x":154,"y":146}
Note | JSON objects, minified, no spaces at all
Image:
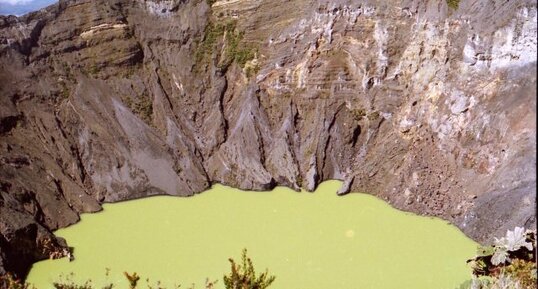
{"x":428,"y":107}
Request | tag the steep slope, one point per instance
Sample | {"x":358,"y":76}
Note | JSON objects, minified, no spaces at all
{"x":428,"y":107}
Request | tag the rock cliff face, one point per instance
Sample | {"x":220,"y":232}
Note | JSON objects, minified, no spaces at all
{"x":427,"y":106}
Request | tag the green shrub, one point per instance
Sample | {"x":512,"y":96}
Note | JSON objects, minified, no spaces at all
{"x":94,"y":70}
{"x":141,"y":106}
{"x":509,"y":264}
{"x":453,"y":4}
{"x":64,"y":90}
{"x":524,"y":271}
{"x":244,"y":277}
{"x":226,"y":34}
{"x":212,"y":34}
{"x":358,"y":113}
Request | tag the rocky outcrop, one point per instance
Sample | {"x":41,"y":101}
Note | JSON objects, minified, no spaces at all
{"x":428,"y":107}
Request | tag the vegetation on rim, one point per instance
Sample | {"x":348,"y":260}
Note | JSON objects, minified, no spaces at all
{"x":508,"y":264}
{"x":240,"y":277}
{"x":141,"y":105}
{"x":453,"y":3}
{"x":225,"y":41}
{"x":244,"y":276}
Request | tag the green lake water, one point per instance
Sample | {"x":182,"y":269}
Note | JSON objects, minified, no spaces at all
{"x":308,"y":240}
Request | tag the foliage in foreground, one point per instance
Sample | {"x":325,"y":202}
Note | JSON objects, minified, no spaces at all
{"x":241,"y":277}
{"x":244,"y":277}
{"x":9,"y":282}
{"x":508,"y":264}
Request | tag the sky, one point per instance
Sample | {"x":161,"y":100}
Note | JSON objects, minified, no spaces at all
{"x":20,"y":7}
